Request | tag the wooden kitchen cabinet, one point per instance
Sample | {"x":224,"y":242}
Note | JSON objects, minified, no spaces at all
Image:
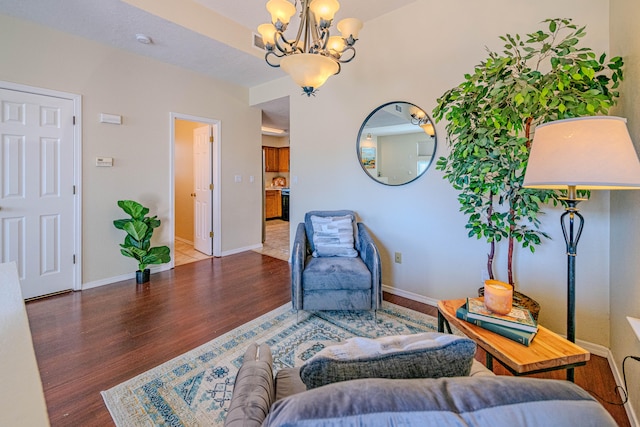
{"x":283,"y":159}
{"x":271,"y":155}
{"x":273,"y":204}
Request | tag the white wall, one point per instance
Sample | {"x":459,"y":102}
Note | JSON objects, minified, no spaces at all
{"x":625,"y":205}
{"x":398,"y":156}
{"x":144,"y":92}
{"x":415,"y":54}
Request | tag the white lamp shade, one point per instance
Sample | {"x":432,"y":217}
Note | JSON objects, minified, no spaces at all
{"x":324,"y":9}
{"x":428,"y":129}
{"x":309,"y":69}
{"x":280,"y":10}
{"x":587,"y":152}
{"x":268,"y":33}
{"x":335,"y":45}
{"x":349,"y":27}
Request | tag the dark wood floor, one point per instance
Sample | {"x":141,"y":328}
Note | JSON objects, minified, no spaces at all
{"x":93,"y":340}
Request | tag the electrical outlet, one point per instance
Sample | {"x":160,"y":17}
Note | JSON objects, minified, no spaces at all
{"x":398,"y":258}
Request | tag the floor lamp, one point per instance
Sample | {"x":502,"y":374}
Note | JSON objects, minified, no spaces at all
{"x":586,"y":153}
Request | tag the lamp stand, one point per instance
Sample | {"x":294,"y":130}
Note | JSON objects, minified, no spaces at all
{"x":571,"y":238}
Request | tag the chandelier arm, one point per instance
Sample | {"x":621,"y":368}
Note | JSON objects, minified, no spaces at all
{"x":324,"y":37}
{"x":304,"y":23}
{"x":317,"y":35}
{"x":352,"y":50}
{"x":279,"y":46}
{"x":266,"y":58}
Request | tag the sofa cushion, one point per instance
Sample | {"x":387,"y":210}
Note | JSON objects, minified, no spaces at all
{"x":254,"y":390}
{"x":424,"y":355}
{"x":288,"y":382}
{"x":333,"y":236}
{"x":491,"y":401}
{"x":335,"y":273}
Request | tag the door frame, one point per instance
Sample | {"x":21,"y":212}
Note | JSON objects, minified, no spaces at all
{"x":77,"y":167}
{"x":215,"y":176}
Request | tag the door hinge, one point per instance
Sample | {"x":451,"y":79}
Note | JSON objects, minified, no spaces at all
{"x":211,"y":139}
{"x":74,"y":258}
{"x":211,"y":234}
{"x":210,"y":186}
{"x":74,"y":120}
{"x":74,"y":189}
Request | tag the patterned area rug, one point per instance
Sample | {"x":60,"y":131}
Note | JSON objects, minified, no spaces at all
{"x":195,"y":389}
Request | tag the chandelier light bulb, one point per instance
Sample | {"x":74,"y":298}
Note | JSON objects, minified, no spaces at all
{"x":350,"y":27}
{"x":268,"y":33}
{"x":428,"y":129}
{"x":324,"y":9}
{"x":309,"y":70}
{"x":280,"y":10}
{"x":336,"y":45}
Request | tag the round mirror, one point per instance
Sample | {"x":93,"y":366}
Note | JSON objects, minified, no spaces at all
{"x":396,"y":143}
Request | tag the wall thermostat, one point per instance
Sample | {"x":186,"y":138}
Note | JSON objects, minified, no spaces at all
{"x":104,"y":161}
{"x":110,"y":118}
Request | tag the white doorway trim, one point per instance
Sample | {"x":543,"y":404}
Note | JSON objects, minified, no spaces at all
{"x":216,"y":207}
{"x":77,"y":167}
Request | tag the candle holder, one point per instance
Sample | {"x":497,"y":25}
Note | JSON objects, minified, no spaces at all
{"x":498,"y":296}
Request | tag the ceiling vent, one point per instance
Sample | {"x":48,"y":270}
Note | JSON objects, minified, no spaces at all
{"x":257,"y":42}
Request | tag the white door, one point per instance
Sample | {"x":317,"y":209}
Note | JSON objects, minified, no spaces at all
{"x":203,"y":212}
{"x":37,"y":220}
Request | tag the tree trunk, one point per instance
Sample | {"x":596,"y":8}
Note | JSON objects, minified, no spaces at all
{"x":492,"y":245}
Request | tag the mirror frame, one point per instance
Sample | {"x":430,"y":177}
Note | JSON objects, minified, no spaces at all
{"x":360,"y":136}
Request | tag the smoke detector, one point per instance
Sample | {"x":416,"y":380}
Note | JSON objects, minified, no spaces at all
{"x":143,"y":38}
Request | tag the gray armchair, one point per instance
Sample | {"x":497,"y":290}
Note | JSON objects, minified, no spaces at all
{"x":335,"y":282}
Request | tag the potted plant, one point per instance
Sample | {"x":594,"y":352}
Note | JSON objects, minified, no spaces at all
{"x":491,"y":117}
{"x":137,"y":242}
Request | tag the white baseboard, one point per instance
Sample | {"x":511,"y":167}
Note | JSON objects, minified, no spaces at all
{"x":122,"y":277}
{"x":631,"y":413}
{"x":410,"y":295}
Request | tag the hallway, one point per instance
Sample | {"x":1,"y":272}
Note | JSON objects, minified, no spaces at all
{"x":276,"y":243}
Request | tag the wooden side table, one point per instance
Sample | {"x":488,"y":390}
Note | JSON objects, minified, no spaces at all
{"x":547,"y":352}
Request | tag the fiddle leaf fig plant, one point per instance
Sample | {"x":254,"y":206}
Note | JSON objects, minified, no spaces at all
{"x":139,"y":229}
{"x":491,"y":117}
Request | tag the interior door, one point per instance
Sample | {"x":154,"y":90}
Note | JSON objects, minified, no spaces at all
{"x":203,"y":211}
{"x":37,"y":219}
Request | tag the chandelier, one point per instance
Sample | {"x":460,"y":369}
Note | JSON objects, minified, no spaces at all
{"x":420,"y":118}
{"x":313,"y":55}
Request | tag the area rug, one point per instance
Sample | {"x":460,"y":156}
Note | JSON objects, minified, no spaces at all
{"x":194,"y":389}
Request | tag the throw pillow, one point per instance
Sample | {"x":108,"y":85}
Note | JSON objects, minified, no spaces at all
{"x":333,"y":236}
{"x":425,"y":355}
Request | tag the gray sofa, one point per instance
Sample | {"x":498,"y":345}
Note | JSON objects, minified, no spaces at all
{"x":477,"y":399}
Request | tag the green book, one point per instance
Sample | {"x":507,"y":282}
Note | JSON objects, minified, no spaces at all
{"x":522,"y":337}
{"x":518,"y":318}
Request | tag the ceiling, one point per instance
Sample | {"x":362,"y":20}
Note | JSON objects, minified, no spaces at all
{"x":116,"y":23}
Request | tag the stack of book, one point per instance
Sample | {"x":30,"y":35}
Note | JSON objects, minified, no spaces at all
{"x":519,"y":325}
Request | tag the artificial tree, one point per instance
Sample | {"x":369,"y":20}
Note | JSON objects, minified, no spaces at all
{"x":491,"y":117}
{"x":137,"y":242}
